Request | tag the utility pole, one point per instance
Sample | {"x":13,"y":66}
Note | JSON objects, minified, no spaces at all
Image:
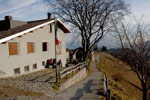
{"x":55,"y":51}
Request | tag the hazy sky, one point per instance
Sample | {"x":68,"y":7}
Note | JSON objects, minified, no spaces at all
{"x":26,"y":10}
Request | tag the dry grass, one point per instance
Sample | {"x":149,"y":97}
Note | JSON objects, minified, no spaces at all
{"x":123,"y":83}
{"x":9,"y":91}
{"x":56,"y":86}
{"x":90,"y":69}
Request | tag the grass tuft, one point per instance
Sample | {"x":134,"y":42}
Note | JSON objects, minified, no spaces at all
{"x":55,"y":86}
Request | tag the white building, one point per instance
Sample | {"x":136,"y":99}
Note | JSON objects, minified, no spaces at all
{"x":26,"y":46}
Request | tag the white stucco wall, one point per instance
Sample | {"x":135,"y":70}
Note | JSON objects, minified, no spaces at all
{"x":62,"y":39}
{"x":67,"y":55}
{"x":9,"y":63}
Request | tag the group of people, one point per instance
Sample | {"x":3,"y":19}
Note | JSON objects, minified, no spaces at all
{"x":52,"y":62}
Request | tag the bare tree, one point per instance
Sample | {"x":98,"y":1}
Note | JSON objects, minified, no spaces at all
{"x":135,"y":42}
{"x":91,"y":17}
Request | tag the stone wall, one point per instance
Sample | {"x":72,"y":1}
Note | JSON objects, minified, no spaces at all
{"x":76,"y":78}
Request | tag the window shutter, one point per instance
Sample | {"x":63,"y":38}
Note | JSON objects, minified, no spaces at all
{"x":30,"y":47}
{"x":10,"y":49}
{"x":13,"y":48}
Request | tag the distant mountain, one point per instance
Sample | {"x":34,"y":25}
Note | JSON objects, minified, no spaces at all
{"x":73,"y":45}
{"x":119,"y":50}
{"x":115,"y":50}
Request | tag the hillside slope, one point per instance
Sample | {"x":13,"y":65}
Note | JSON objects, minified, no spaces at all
{"x":123,"y":83}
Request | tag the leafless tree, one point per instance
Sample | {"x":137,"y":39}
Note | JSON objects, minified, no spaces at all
{"x":135,"y":42}
{"x":91,"y":18}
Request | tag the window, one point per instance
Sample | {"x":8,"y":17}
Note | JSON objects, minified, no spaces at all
{"x":17,"y":71}
{"x":26,"y":68}
{"x":44,"y":46}
{"x":43,"y":63}
{"x":58,"y":49}
{"x":50,"y":28}
{"x":34,"y":66}
{"x":13,"y":48}
{"x":30,"y":47}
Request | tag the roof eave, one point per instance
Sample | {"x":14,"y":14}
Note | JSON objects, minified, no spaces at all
{"x":64,"y":28}
{"x":24,"y":32}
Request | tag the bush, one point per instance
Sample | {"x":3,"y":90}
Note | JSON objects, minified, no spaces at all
{"x":75,"y":61}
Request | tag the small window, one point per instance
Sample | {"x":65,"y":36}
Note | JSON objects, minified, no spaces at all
{"x":44,"y":46}
{"x":30,"y":47}
{"x":43,"y":63}
{"x":13,"y":48}
{"x":26,"y":68}
{"x":50,"y":28}
{"x":17,"y":71}
{"x":34,"y":66}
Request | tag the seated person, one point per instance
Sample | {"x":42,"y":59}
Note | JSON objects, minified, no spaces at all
{"x":59,"y":63}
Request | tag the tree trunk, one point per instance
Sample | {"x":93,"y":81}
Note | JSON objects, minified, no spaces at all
{"x":144,"y":95}
{"x":85,"y":50}
{"x":85,"y":56}
{"x":144,"y":91}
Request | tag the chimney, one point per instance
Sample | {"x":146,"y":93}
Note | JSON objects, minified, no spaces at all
{"x":8,"y":18}
{"x":49,"y":16}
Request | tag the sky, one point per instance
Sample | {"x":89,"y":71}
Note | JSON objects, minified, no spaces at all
{"x":26,"y":10}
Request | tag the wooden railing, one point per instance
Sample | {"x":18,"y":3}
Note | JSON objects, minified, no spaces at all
{"x":105,"y":84}
{"x":107,"y":91}
{"x":71,"y":70}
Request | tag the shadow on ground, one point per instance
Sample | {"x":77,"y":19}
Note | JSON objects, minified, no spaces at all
{"x":86,"y":89}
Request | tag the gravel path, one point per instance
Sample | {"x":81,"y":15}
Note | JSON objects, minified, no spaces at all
{"x":31,"y":86}
{"x":84,"y":90}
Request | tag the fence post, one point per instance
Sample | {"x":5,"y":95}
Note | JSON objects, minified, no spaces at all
{"x":72,"y":73}
{"x":66,"y":76}
{"x":105,"y":85}
{"x":59,"y":78}
{"x":108,"y":96}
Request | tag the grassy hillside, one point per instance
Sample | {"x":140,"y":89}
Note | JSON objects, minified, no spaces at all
{"x":123,"y":83}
